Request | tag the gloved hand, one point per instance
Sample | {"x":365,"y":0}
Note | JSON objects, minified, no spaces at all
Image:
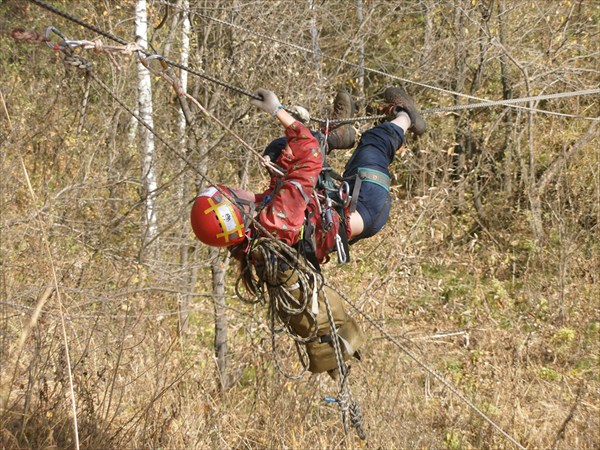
{"x":300,"y":113}
{"x":269,"y":102}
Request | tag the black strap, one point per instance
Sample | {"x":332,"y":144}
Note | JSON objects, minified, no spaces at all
{"x":306,"y":245}
{"x":355,"y":192}
{"x":326,"y":338}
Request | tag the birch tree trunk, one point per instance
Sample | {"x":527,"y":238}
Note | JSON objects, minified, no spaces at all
{"x":149,"y":182}
{"x":184,"y":191}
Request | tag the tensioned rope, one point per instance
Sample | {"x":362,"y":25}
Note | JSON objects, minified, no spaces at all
{"x":428,"y":369}
{"x":352,"y":408}
{"x":140,"y":49}
{"x":484,"y":102}
{"x":79,"y":62}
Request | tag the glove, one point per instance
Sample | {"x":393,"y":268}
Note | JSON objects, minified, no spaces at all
{"x":269,"y":102}
{"x":300,"y":113}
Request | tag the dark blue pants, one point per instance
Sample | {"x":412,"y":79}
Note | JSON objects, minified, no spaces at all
{"x":375,"y":151}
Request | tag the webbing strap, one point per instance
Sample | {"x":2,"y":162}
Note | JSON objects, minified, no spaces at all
{"x":374,"y":176}
{"x":371,"y":176}
{"x":299,"y":186}
{"x":355,"y":192}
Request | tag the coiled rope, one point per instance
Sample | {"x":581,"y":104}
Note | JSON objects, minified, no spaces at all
{"x":268,"y":264}
{"x":273,"y":252}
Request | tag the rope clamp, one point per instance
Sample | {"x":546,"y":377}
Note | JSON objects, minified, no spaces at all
{"x":344,"y":193}
{"x":327,"y":215}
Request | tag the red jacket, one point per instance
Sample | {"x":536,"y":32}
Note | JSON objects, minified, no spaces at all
{"x":288,"y":196}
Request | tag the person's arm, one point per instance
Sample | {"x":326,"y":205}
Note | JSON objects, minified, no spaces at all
{"x":285,"y":117}
{"x":283,"y":215}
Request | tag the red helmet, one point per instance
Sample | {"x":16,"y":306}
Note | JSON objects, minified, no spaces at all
{"x":217,"y":221}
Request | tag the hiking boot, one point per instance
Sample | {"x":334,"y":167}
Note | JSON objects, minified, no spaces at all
{"x":343,"y":105}
{"x":399,"y":101}
{"x":342,"y":136}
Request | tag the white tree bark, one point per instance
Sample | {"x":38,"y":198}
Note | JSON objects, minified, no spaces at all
{"x":147,"y":139}
{"x":183,"y":77}
{"x":184,"y":187}
{"x":314,"y":33}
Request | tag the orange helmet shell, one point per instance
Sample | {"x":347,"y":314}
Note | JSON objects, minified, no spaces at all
{"x":216,"y":221}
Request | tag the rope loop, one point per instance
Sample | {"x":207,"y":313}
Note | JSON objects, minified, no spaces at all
{"x":29,"y":36}
{"x":165,"y":68}
{"x":356,"y":419}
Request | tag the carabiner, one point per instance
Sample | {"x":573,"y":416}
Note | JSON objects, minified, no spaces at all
{"x":145,"y":60}
{"x":62,"y":46}
{"x":344,"y":193}
{"x":341,"y":253}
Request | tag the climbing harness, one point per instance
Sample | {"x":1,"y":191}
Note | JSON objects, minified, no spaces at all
{"x":349,"y":408}
{"x":370,"y":176}
{"x":340,"y":326}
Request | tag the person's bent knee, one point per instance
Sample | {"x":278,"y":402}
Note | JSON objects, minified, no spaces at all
{"x":357,"y":224}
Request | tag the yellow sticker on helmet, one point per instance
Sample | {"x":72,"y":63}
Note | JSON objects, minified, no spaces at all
{"x":228,"y":219}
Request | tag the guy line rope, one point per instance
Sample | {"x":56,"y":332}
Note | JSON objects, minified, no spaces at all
{"x":483,"y":102}
{"x":346,"y":403}
{"x":81,"y":63}
{"x":353,"y":408}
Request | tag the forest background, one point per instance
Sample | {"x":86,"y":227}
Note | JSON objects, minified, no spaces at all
{"x":119,"y":330}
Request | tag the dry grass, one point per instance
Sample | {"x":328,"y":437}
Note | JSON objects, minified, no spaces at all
{"x":513,"y":324}
{"x":138,"y":385}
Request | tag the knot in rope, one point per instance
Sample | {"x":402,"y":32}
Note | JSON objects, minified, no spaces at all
{"x":356,"y":419}
{"x":29,"y":36}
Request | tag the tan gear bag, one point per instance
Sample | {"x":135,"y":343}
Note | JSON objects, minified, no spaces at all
{"x":321,"y":352}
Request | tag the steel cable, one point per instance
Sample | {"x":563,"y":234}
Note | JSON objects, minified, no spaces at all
{"x":483,"y":102}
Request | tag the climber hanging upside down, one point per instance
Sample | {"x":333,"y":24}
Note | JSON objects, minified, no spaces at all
{"x":291,"y":211}
{"x":281,"y":208}
{"x":371,"y":202}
